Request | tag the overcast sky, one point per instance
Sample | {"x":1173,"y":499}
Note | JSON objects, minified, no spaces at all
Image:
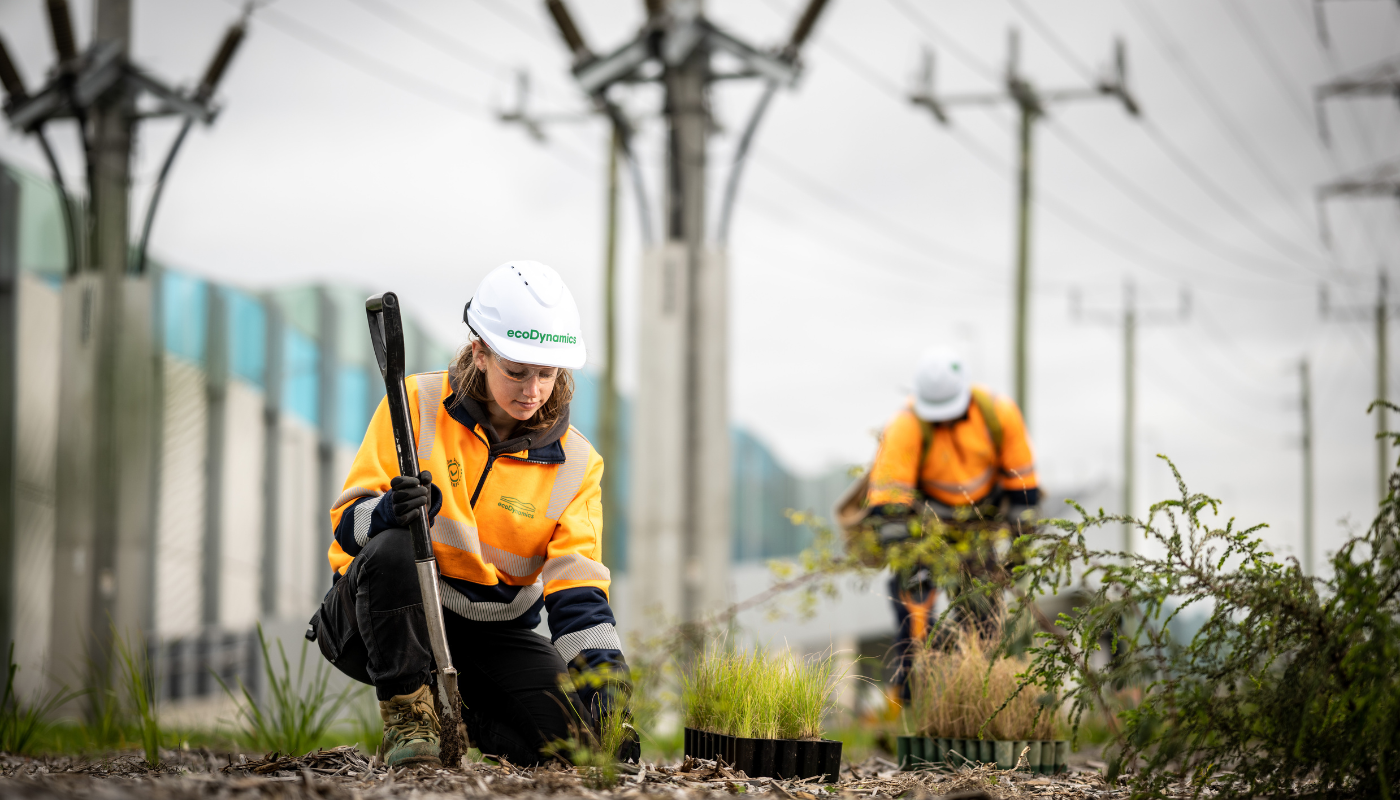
{"x":359,"y":143}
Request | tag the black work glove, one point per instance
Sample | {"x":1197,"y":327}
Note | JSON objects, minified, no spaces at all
{"x":893,"y":532}
{"x":407,"y":495}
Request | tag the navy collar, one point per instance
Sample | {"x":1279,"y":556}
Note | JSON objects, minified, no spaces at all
{"x":540,"y":447}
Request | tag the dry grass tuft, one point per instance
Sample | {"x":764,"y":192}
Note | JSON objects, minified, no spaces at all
{"x":956,"y":690}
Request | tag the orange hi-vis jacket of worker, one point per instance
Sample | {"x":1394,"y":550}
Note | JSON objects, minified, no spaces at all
{"x":956,"y":463}
{"x":516,"y":527}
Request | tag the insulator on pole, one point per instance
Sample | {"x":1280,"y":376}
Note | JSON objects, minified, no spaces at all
{"x":567,"y":29}
{"x":217,"y":67}
{"x":805,"y":23}
{"x":61,"y":24}
{"x":9,"y":76}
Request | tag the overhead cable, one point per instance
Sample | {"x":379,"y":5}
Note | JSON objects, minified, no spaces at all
{"x":1215,"y":105}
{"x":399,"y":78}
{"x":1188,"y":165}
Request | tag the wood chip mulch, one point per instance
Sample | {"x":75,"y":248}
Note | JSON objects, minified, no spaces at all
{"x":344,"y":773}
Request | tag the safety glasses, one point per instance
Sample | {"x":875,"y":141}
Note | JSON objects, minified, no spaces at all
{"x":521,"y":373}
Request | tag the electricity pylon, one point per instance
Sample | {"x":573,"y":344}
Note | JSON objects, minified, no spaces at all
{"x":1032,"y":103}
{"x":107,"y":453}
{"x":1128,"y":320}
{"x":680,"y":511}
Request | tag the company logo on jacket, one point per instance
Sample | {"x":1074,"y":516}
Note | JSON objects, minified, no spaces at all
{"x":519,"y":507}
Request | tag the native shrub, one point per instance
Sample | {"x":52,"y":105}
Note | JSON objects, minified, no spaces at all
{"x":1292,"y":679}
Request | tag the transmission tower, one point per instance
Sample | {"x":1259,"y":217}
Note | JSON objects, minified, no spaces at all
{"x":107,"y":452}
{"x":1032,"y":103}
{"x":680,"y":511}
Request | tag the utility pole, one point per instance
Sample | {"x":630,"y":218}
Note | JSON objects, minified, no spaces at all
{"x":608,"y":428}
{"x":105,"y":527}
{"x":1128,"y":321}
{"x":680,"y":511}
{"x":1032,"y":104}
{"x":610,"y":400}
{"x":1379,"y":315}
{"x":1305,"y":381}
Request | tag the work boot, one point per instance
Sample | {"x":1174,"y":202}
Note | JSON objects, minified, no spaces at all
{"x":410,"y":730}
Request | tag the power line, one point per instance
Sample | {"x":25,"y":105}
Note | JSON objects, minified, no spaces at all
{"x":1055,"y":42}
{"x":1249,"y":27}
{"x":1063,"y":210}
{"x":1182,"y":161}
{"x":834,"y":198}
{"x":1187,"y":229}
{"x":1068,"y":214}
{"x":434,"y":36}
{"x":393,"y":76}
{"x":510,"y":13}
{"x":917,"y":272}
{"x":962,"y":53}
{"x":1214,"y":104}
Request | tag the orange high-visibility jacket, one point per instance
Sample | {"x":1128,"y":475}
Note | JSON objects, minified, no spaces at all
{"x":516,"y":525}
{"x":960,"y":466}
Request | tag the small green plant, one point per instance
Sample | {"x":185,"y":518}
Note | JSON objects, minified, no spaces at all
{"x":760,"y":695}
{"x":298,"y":712}
{"x":23,"y":722}
{"x":138,"y":684}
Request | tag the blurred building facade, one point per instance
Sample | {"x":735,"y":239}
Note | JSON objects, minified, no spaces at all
{"x":265,"y":397}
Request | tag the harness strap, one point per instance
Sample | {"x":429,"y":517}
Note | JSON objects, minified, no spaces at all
{"x":989,"y":418}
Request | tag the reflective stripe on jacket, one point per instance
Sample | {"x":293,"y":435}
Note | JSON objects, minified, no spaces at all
{"x":961,"y":466}
{"x":512,"y":531}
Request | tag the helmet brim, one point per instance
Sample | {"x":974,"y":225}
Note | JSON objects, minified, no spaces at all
{"x":523,"y":352}
{"x":945,"y":410}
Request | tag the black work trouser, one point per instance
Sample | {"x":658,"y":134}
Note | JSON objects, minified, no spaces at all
{"x":913,"y":593}
{"x":371,"y":626}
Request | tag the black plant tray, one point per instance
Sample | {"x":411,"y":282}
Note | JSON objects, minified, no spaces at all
{"x":922,"y":752}
{"x":768,"y":758}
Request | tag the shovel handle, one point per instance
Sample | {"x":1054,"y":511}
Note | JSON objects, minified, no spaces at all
{"x":386,"y":334}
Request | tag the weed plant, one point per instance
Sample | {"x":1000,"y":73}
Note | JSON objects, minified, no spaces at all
{"x":298,"y":712}
{"x":22,"y":722}
{"x":1292,"y":680}
{"x":960,"y":689}
{"x":759,"y":695}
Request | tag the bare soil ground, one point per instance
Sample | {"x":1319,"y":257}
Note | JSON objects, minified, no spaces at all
{"x":344,"y":774}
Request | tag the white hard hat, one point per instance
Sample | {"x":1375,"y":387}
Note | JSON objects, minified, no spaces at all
{"x":941,"y":387}
{"x":525,"y":313}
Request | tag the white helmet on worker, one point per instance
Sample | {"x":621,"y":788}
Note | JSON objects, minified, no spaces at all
{"x":941,"y":387}
{"x":523,"y":311}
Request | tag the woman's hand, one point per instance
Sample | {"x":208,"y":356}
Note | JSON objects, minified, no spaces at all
{"x":409,"y":495}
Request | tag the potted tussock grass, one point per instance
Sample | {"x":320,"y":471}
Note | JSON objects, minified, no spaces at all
{"x":965,"y":707}
{"x":762,"y":713}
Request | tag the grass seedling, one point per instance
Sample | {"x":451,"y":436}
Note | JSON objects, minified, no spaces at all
{"x":21,"y":723}
{"x":138,"y":683}
{"x":298,"y":712}
{"x":759,"y":694}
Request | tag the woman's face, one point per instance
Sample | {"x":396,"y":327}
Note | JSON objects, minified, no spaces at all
{"x":519,"y":389}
